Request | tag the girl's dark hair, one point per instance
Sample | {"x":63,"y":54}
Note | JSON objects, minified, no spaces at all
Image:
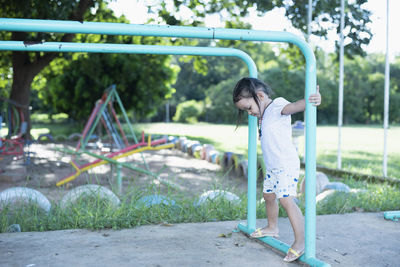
{"x":247,"y":88}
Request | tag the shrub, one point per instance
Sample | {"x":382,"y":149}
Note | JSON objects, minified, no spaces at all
{"x":188,"y":111}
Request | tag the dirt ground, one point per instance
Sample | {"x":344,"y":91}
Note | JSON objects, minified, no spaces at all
{"x":47,"y":163}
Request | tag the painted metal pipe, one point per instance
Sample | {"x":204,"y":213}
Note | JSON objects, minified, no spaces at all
{"x":283,"y":247}
{"x":129,"y":48}
{"x":61,"y":26}
{"x":386,"y":96}
{"x":341,"y":82}
{"x":28,"y":25}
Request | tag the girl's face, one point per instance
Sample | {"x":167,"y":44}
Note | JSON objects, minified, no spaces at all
{"x":250,"y":105}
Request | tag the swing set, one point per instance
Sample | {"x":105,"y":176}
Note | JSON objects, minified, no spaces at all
{"x":53,"y":26}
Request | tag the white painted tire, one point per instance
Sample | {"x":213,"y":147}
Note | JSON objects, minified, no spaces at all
{"x":26,"y":195}
{"x":321,"y":180}
{"x":95,"y":190}
{"x":214,"y":194}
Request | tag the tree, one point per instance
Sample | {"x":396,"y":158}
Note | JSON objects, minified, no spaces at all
{"x":142,"y":82}
{"x":326,"y":16}
{"x":76,"y":81}
{"x":26,"y":65}
{"x":394,"y":102}
{"x":221,"y":108}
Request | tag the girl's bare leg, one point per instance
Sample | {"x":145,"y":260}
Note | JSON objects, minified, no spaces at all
{"x":272,"y":209}
{"x":297,"y":221}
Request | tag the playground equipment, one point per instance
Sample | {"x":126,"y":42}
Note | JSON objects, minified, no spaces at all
{"x":105,"y":113}
{"x":13,"y":116}
{"x":113,"y":157}
{"x":29,"y":25}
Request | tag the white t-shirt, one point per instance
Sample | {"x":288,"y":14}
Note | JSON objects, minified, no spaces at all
{"x":276,"y":138}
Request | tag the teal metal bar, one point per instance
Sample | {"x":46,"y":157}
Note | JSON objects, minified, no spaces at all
{"x":119,"y":179}
{"x":283,"y":247}
{"x":195,"y":32}
{"x":128,"y":48}
{"x":392,"y":215}
{"x":252,"y":174}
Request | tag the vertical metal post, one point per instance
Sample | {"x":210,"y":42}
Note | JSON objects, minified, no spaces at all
{"x":309,"y":20}
{"x":252,"y":166}
{"x":386,"y":94}
{"x":252,"y":174}
{"x":310,"y":9}
{"x":119,"y":178}
{"x":310,"y":165}
{"x":340,"y":100}
{"x":167,"y":112}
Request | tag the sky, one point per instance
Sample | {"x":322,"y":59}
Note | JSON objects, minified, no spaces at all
{"x":136,"y":12}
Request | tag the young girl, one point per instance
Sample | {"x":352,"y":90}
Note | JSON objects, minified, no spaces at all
{"x":280,"y":156}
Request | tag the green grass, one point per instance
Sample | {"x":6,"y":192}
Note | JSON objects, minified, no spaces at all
{"x":93,"y":212}
{"x":369,"y":197}
{"x":362,"y":149}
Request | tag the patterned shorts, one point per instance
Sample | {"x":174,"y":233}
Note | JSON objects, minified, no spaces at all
{"x":282,"y":182}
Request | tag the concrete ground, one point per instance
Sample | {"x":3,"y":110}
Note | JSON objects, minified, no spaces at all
{"x":356,"y":239}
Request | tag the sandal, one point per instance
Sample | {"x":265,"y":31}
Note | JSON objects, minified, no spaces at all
{"x":258,"y":233}
{"x":295,"y":253}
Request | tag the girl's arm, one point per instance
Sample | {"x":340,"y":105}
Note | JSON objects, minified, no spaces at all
{"x":300,"y":105}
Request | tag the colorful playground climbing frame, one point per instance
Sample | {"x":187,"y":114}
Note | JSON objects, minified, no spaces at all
{"x":103,"y":114}
{"x":112,"y":157}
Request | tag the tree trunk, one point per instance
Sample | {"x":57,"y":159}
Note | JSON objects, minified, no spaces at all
{"x":20,"y":92}
{"x":24,"y":71}
{"x":27,"y":65}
